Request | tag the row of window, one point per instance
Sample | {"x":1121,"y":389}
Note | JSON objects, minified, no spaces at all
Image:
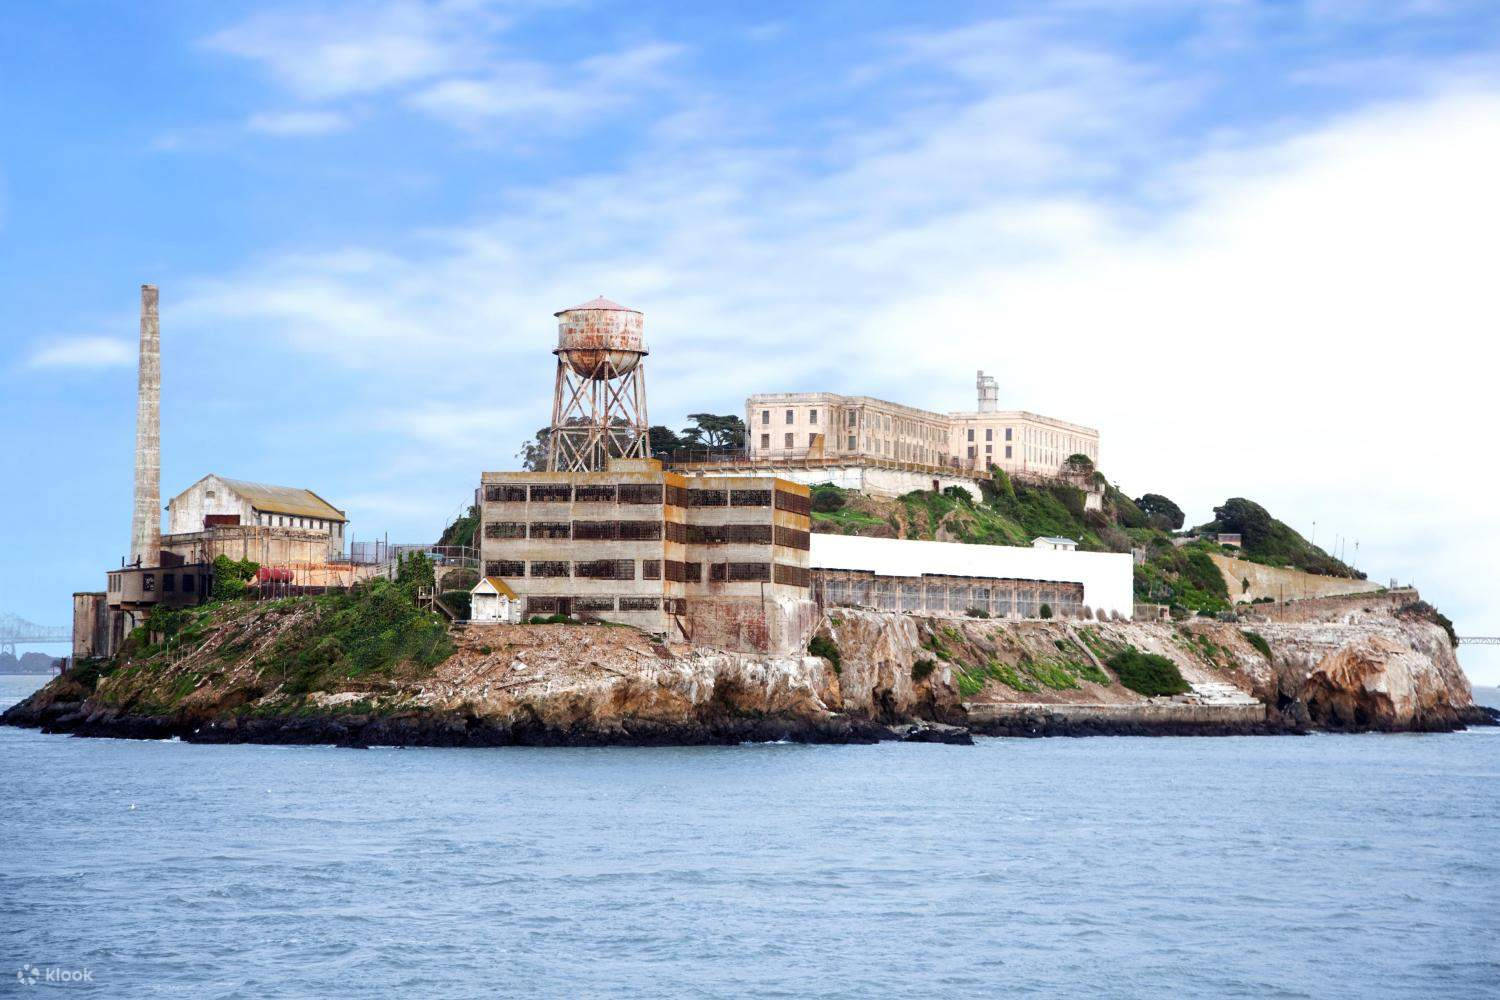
{"x":641,"y":493}
{"x":288,"y":521}
{"x":582,"y":605}
{"x":670,"y":570}
{"x":168,"y":583}
{"x":650,"y":531}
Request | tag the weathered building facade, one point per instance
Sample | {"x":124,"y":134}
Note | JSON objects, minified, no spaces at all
{"x":217,"y":502}
{"x":714,"y":560}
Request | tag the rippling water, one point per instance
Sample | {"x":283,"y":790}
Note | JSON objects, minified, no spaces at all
{"x":1325,"y":866}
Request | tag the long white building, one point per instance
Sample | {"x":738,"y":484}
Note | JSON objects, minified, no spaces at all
{"x":1004,"y":581}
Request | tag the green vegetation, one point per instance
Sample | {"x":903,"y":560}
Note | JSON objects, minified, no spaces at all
{"x":231,"y":577}
{"x":1186,"y":578}
{"x":827,"y":498}
{"x":1268,"y":541}
{"x":1148,"y":673}
{"x":922,"y":669}
{"x":1164,"y":514}
{"x":552,"y":620}
{"x":1423,"y":611}
{"x":463,"y":531}
{"x":1046,"y":610}
{"x":825,"y":647}
{"x":1258,"y":641}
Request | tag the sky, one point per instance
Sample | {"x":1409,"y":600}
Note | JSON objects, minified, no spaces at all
{"x":1253,"y":243}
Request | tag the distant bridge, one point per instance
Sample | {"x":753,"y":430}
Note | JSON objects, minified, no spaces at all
{"x":1479,"y":640}
{"x":15,"y":630}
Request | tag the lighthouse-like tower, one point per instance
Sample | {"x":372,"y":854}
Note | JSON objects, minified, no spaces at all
{"x":599,"y":406}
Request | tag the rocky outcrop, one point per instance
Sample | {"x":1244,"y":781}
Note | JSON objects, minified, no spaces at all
{"x":896,"y":677}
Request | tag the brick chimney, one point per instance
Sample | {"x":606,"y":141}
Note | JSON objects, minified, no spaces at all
{"x":145,"y":526}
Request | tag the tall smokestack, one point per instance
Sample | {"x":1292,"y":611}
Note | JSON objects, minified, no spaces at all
{"x":145,"y":527}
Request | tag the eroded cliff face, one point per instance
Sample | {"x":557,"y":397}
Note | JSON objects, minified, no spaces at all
{"x":1359,"y":668}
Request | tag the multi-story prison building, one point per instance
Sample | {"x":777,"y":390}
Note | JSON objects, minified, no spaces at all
{"x":714,"y":560}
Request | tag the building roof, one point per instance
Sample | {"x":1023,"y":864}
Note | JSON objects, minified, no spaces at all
{"x":284,"y":500}
{"x":600,"y":303}
{"x":500,"y":586}
{"x":1055,"y":540}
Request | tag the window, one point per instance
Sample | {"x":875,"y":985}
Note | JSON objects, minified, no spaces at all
{"x":765,"y":416}
{"x":812,"y":439}
{"x":593,"y":604}
{"x":640,"y":531}
{"x":168,"y":583}
{"x":750,"y":498}
{"x":587,"y":530}
{"x":765,"y":440}
{"x":989,"y":449}
{"x":709,"y":498}
{"x":549,"y":569}
{"x":851,"y":442}
{"x":789,"y":439}
{"x":794,"y":502}
{"x":792,"y":538}
{"x":551,"y":494}
{"x":640,"y":493}
{"x":551,"y":529}
{"x":795,"y":576}
{"x":187,"y":583}
{"x":650,"y":569}
{"x":505,"y":529}
{"x":1007,"y":433}
{"x":971,"y":433}
{"x":790,"y":414}
{"x":1007,"y":451}
{"x":594,"y":494}
{"x":640,"y":604}
{"x":812,"y":416}
{"x":605,"y":569}
{"x":972,"y":452}
{"x":729,"y":534}
{"x":743,"y":571}
{"x":692,"y":572}
{"x":504,"y":567}
{"x":148,"y":582}
{"x":989,"y":433}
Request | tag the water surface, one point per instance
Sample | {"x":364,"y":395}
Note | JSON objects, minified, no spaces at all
{"x":1324,"y":866}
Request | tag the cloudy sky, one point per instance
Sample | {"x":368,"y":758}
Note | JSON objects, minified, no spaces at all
{"x":1255,"y":244}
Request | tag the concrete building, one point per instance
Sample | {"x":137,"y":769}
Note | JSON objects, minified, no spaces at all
{"x":308,"y":528}
{"x":826,"y":427}
{"x":953,"y":578}
{"x":1055,"y":543}
{"x":713,"y":560}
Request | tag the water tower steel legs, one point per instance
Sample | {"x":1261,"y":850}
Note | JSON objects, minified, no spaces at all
{"x":597,"y":417}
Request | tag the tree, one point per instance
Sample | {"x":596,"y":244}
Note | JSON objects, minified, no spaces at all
{"x":533,"y":453}
{"x":1079,"y":464}
{"x":462,"y":531}
{"x":1159,"y":508}
{"x":715,"y":432}
{"x":1252,"y":522}
{"x":663,"y":440}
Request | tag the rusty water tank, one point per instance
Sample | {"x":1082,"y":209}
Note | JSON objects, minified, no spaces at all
{"x":600,"y":339}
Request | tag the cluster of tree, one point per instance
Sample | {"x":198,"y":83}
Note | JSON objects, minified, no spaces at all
{"x":707,"y":432}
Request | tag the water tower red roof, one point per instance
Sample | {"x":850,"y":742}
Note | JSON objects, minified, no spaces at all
{"x":601,"y":303}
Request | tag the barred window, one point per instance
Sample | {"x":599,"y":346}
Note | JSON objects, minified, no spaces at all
{"x":750,"y":498}
{"x":749,"y":571}
{"x":541,"y":605}
{"x":794,"y":502}
{"x":708,"y":498}
{"x":677,"y":496}
{"x":605,"y":569}
{"x":692,"y":572}
{"x":640,"y":493}
{"x":551,"y":529}
{"x":640,"y":531}
{"x":718,"y":571}
{"x":729,"y":534}
{"x":594,"y":494}
{"x":650,"y":569}
{"x":792,"y":538}
{"x":677,"y":532}
{"x":549,"y":569}
{"x":596,"y":529}
{"x":796,"y":576}
{"x":505,"y":529}
{"x":640,"y":604}
{"x":675,"y":572}
{"x":593,"y":604}
{"x":551,"y":493}
{"x":504,"y":567}
{"x":505,"y":494}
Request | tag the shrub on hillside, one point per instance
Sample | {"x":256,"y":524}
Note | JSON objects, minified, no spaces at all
{"x":825,"y":647}
{"x":231,"y":577}
{"x":1147,"y":673}
{"x":827,"y":498}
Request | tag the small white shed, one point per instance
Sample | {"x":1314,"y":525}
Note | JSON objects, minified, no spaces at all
{"x":1055,"y":543}
{"x":492,"y":600}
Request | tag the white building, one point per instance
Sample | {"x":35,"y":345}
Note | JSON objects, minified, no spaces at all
{"x":492,"y":600}
{"x":217,"y":502}
{"x":1055,"y":542}
{"x":949,"y":577}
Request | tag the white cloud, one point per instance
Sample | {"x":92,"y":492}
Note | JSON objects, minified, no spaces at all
{"x":82,"y":352}
{"x":298,"y":123}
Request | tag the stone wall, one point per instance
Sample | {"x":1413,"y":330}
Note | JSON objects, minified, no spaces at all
{"x":1282,"y":584}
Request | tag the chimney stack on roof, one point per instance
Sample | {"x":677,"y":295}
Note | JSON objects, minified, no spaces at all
{"x":145,"y":527}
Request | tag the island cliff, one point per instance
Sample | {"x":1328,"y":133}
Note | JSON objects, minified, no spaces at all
{"x":253,"y":672}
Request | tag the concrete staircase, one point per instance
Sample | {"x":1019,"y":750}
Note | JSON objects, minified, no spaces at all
{"x":1220,"y":693}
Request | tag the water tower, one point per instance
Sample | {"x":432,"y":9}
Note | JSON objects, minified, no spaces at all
{"x":599,"y":407}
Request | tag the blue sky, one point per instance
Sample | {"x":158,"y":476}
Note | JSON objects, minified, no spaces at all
{"x":1252,"y":243}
